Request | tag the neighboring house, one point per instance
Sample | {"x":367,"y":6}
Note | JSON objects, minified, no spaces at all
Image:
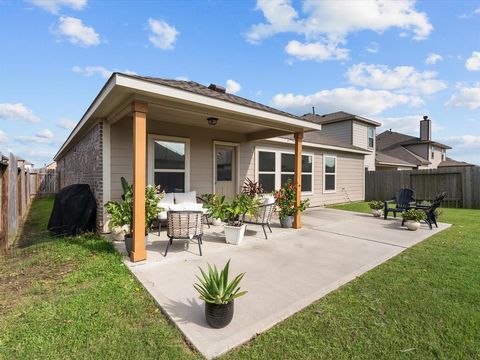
{"x":26,"y":164}
{"x":349,"y":129}
{"x":396,"y":151}
{"x":201,"y":138}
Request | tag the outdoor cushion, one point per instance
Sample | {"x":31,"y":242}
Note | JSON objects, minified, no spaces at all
{"x":186,"y":207}
{"x":267,"y":200}
{"x":188,"y":197}
{"x":167,"y":199}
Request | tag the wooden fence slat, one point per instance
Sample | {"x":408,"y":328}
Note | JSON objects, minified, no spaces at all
{"x":462,"y":185}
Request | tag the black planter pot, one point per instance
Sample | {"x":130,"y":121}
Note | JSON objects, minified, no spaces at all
{"x":219,"y":315}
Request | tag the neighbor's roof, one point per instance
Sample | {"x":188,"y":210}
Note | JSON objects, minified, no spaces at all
{"x":390,"y":139}
{"x":449,"y":162}
{"x":200,"y":89}
{"x":338,"y":116}
{"x":384,"y":159}
{"x":316,"y":137}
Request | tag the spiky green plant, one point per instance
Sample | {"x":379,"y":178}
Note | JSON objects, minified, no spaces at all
{"x":214,"y":287}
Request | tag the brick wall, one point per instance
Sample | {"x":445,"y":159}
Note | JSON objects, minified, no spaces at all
{"x":83,"y":164}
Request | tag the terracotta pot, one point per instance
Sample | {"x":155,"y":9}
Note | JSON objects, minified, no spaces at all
{"x":219,"y":315}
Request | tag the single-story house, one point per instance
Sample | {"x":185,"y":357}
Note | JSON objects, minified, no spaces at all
{"x":184,"y":136}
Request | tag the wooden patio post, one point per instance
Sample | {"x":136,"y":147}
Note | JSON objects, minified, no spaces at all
{"x":297,"y":178}
{"x":139,"y":110}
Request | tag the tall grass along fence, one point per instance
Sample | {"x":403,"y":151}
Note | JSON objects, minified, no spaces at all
{"x":462,"y":185}
{"x":18,"y":185}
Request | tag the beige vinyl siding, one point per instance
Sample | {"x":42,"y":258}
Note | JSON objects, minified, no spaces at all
{"x":201,"y":153}
{"x":341,"y":130}
{"x":360,"y":139}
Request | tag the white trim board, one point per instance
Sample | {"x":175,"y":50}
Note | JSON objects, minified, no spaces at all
{"x":319,"y":146}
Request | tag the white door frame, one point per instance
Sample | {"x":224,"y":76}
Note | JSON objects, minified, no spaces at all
{"x":237,"y":163}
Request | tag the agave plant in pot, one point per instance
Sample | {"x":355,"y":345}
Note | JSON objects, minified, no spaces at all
{"x":218,"y":294}
{"x":234,"y":212}
{"x":412,"y":218}
{"x":286,"y":203}
{"x":377,"y":207}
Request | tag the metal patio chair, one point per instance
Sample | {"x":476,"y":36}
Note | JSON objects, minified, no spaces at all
{"x":185,"y":225}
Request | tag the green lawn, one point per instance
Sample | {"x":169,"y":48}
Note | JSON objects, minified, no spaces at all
{"x":73,"y":298}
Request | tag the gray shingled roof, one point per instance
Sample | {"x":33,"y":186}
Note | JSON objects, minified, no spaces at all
{"x":317,"y":137}
{"x":389,"y":139}
{"x":336,"y":117}
{"x":382,"y":158}
{"x":449,"y":162}
{"x":200,"y":89}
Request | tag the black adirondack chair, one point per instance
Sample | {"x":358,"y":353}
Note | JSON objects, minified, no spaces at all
{"x":404,"y":200}
{"x":430,"y":210}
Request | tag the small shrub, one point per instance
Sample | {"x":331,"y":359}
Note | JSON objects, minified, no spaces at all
{"x":414,"y":214}
{"x":376,"y":205}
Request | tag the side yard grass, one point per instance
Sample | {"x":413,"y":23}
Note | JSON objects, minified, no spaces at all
{"x":72,"y":298}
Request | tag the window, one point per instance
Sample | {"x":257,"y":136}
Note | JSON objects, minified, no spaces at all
{"x":266,"y":170}
{"x":443,"y":154}
{"x":433,"y":152}
{"x":329,"y":173}
{"x":371,"y":137}
{"x":170,"y":158}
{"x":275,"y":168}
{"x":224,"y":164}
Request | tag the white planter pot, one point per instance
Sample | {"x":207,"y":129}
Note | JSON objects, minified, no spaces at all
{"x":234,"y":234}
{"x":118,"y":233}
{"x":412,"y":225}
{"x":377,"y":212}
{"x":216,"y":222}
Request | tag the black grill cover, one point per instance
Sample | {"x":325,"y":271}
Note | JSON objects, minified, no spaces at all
{"x":74,"y":211}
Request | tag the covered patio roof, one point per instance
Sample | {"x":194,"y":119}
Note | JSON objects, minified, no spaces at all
{"x":185,"y":102}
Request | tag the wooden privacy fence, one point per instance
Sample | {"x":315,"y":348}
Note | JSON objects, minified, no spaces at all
{"x":462,"y":185}
{"x":18,"y":185}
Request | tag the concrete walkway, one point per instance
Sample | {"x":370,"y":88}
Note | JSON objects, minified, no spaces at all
{"x":285,"y":273}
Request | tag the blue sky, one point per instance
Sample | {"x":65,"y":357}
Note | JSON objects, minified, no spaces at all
{"x":393,"y":62}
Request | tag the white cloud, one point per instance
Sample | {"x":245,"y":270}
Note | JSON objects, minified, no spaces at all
{"x":104,"y":72}
{"x":373,"y":47}
{"x":17,"y":111}
{"x":466,"y":97}
{"x":409,"y":124}
{"x":182,"y":78}
{"x":233,"y":87}
{"x":464,"y":141}
{"x":76,"y":32}
{"x":66,"y":124}
{"x":401,"y":78}
{"x":29,"y":139}
{"x":45,"y":134}
{"x":54,"y":6}
{"x":433,"y":58}
{"x":473,"y":62}
{"x":162,"y":34}
{"x":317,"y":51}
{"x":362,"y":102}
{"x":3,"y":137}
{"x":330,"y":22}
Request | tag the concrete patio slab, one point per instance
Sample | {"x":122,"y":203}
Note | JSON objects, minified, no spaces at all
{"x":285,"y":273}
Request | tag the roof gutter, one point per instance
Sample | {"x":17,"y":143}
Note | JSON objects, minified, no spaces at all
{"x":320,"y":146}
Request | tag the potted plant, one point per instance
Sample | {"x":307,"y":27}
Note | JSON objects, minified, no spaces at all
{"x":120,"y":217}
{"x":125,"y":208}
{"x":286,"y":203}
{"x":218,"y":295}
{"x":377,"y":207}
{"x":241,"y":205}
{"x":216,"y":207}
{"x":253,"y":189}
{"x":412,"y":218}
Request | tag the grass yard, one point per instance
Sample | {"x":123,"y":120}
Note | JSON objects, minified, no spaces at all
{"x":73,"y":298}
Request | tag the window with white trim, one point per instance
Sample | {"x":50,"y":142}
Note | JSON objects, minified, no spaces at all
{"x":170,"y":165}
{"x":329,"y":173}
{"x":371,"y":137}
{"x":275,"y":168}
